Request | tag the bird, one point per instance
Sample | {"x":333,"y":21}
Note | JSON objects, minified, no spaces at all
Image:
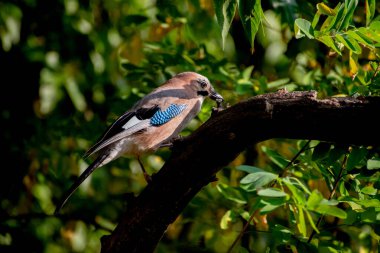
{"x":153,"y":122}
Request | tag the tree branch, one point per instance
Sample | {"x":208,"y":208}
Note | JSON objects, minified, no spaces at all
{"x":196,"y":159}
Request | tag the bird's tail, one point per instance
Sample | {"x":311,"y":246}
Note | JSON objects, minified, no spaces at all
{"x":79,"y":181}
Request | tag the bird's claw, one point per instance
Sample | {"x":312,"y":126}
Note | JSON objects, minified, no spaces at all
{"x":219,"y":107}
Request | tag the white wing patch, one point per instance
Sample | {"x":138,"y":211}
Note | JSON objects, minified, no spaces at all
{"x":132,"y":122}
{"x":133,"y":129}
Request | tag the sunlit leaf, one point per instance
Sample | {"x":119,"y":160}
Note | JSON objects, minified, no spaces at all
{"x":370,"y":34}
{"x":303,"y":27}
{"x":324,"y":9}
{"x":225,"y":12}
{"x":360,"y":38}
{"x":300,"y":217}
{"x":331,"y":210}
{"x":315,"y":19}
{"x":314,"y":200}
{"x":327,"y":24}
{"x":271,"y":192}
{"x":369,"y":190}
{"x":373,"y":164}
{"x":278,"y":83}
{"x":350,"y":43}
{"x":297,"y":194}
{"x":253,"y":181}
{"x":226,"y":220}
{"x":328,"y":41}
{"x":375,"y":26}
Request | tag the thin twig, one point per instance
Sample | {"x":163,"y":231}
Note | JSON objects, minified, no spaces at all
{"x":242,"y":232}
{"x":375,"y":73}
{"x":293,"y":160}
{"x":254,"y":213}
{"x":332,"y":193}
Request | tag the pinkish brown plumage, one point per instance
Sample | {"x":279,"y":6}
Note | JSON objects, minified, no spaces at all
{"x":154,"y":120}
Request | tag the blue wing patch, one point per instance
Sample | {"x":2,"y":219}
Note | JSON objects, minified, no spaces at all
{"x":161,"y":117}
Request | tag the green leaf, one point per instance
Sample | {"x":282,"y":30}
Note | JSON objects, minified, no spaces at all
{"x":369,"y":190}
{"x":253,"y":181}
{"x":360,"y":38}
{"x":331,"y":210}
{"x":226,"y":219}
{"x":271,"y":192}
{"x":375,"y":26}
{"x":247,"y":72}
{"x":315,"y":19}
{"x":231,"y":193}
{"x":300,"y":217}
{"x":370,"y":34}
{"x":327,"y":24}
{"x":278,"y":83}
{"x":328,"y":41}
{"x":342,"y":189}
{"x":350,"y":6}
{"x":303,"y":27}
{"x":350,"y":43}
{"x":249,"y":169}
{"x":297,"y":195}
{"x":244,"y":87}
{"x":369,"y":203}
{"x":275,"y":157}
{"x":311,"y":221}
{"x":370,"y":8}
{"x":314,"y":199}
{"x":321,"y":151}
{"x":269,"y":204}
{"x":373,"y":164}
{"x":251,"y":15}
{"x":336,"y":21}
{"x":225,"y":11}
{"x":368,"y":215}
{"x":296,"y":182}
{"x":355,"y":157}
{"x":282,"y":233}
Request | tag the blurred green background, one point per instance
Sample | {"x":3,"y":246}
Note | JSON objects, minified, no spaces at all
{"x":69,"y":68}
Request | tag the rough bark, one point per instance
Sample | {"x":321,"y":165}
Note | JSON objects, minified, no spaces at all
{"x":196,"y":159}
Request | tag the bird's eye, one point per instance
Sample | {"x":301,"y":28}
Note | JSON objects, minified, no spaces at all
{"x":203,"y":83}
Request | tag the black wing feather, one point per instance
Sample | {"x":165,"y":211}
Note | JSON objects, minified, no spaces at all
{"x":117,"y":126}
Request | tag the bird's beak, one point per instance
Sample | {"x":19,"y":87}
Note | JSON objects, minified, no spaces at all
{"x":216,"y":96}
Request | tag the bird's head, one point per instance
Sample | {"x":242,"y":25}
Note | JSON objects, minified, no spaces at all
{"x":200,"y":86}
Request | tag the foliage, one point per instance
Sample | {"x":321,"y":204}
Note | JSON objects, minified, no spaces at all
{"x":74,"y":66}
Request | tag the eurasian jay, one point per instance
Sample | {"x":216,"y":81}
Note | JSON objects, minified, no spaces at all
{"x":151,"y":123}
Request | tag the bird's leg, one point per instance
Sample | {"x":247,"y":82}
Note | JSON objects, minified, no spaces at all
{"x":148,"y":179}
